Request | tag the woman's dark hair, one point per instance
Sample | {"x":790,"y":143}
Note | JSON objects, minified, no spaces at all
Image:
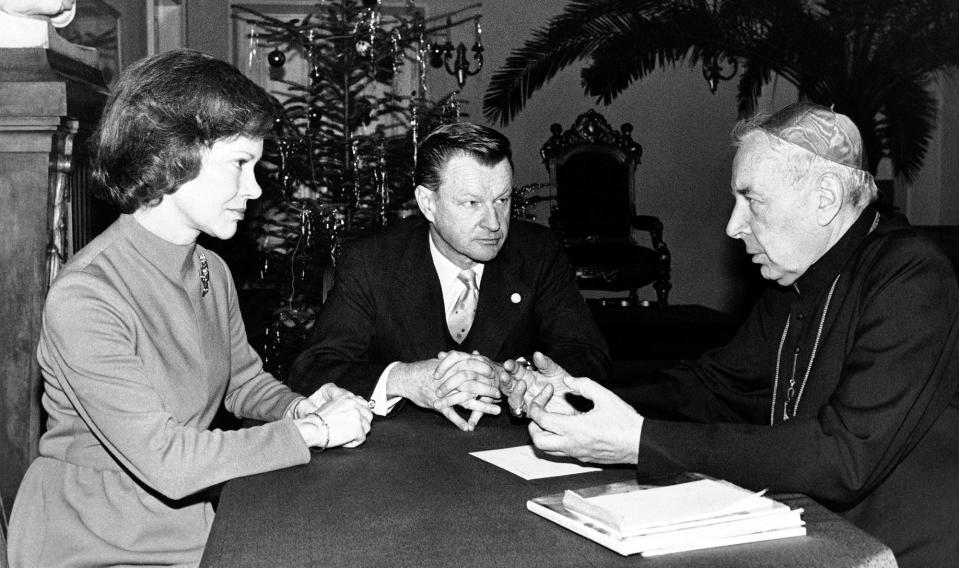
{"x":485,"y":145}
{"x":163,"y":111}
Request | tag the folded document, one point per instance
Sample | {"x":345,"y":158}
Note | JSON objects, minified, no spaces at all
{"x":704,"y":513}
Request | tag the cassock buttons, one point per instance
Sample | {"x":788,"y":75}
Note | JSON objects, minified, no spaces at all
{"x":515,"y":298}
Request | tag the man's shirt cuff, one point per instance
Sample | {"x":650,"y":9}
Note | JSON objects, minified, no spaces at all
{"x":382,"y":405}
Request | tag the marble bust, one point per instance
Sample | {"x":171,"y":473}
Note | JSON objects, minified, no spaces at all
{"x":24,"y":23}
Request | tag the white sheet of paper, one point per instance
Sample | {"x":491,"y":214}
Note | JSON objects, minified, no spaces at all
{"x":523,"y":461}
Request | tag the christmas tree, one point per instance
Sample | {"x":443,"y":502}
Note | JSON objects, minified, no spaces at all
{"x":340,"y":165}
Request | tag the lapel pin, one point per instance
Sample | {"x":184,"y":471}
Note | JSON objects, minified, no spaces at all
{"x":515,"y":298}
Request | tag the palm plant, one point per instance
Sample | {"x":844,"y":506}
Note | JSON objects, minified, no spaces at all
{"x":873,"y":60}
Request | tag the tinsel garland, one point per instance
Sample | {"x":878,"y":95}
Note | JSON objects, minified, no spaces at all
{"x":341,"y":161}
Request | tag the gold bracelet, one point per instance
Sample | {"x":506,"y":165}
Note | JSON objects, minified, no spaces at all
{"x":326,"y":444}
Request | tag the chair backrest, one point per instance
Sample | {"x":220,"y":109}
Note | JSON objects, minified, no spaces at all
{"x":592,"y":168}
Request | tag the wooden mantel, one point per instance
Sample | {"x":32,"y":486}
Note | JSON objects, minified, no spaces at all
{"x":50,"y":99}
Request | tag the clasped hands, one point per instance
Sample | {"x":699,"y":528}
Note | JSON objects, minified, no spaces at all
{"x":608,"y":433}
{"x":333,"y":416}
{"x":453,"y":379}
{"x":476,"y":383}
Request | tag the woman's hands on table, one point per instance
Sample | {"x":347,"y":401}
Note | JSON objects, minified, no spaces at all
{"x":337,"y":418}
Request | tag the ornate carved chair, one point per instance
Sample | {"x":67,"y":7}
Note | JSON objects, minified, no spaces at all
{"x":591,"y":166}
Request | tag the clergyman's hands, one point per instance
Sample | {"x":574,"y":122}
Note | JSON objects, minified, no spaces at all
{"x":342,"y":419}
{"x":522,"y":384}
{"x":452,"y":379}
{"x":607,"y":434}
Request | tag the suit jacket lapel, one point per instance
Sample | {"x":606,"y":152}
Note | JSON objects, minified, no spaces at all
{"x":418,"y":298}
{"x":500,"y":302}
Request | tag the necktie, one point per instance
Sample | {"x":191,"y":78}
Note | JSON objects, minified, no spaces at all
{"x":461,"y":319}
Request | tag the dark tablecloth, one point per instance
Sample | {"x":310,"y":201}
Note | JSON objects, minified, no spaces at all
{"x":413,"y":496}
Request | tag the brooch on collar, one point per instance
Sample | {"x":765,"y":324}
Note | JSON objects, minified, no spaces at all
{"x":204,"y":275}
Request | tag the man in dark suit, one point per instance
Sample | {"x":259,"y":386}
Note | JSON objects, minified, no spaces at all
{"x":426,"y":311}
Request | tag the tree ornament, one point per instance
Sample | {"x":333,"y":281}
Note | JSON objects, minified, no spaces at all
{"x":327,"y":157}
{"x":276,"y":58}
{"x":252,"y":57}
{"x":315,"y":117}
{"x":436,"y":55}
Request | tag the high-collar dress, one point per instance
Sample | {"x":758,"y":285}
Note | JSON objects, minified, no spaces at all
{"x":136,"y":360}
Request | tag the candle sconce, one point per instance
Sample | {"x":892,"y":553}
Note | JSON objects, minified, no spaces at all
{"x":454,"y":58}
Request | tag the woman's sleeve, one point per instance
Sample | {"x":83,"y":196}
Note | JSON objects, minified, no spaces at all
{"x":88,"y":349}
{"x":253,"y":392}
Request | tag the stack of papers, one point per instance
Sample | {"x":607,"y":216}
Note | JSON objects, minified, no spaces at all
{"x":706,"y":513}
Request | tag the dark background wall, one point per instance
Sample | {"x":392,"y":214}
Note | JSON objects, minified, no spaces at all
{"x":684,"y":130}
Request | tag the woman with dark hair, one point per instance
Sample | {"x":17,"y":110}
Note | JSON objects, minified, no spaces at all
{"x":142,"y":340}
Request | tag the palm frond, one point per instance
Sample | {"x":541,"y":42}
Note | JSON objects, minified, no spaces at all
{"x":751,"y":81}
{"x":906,"y":127}
{"x":870,"y":59}
{"x":567,"y":38}
{"x":620,"y":61}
